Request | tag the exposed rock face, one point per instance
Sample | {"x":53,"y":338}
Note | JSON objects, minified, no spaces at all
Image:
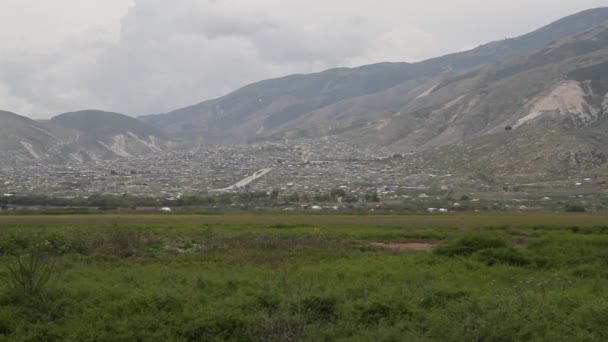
{"x":78,"y":137}
{"x":569,"y":100}
{"x":552,"y":77}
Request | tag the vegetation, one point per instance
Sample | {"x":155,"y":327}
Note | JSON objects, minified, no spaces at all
{"x":275,"y":201}
{"x":575,"y":208}
{"x":128,"y":201}
{"x":304,"y":278}
{"x":29,"y":273}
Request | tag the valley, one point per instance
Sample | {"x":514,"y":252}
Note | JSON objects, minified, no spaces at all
{"x":458,"y":198}
{"x":296,"y":175}
{"x":525,"y":113}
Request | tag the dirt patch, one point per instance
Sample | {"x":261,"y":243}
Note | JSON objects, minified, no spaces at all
{"x":407,"y":246}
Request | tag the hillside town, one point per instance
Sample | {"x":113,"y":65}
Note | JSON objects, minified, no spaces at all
{"x":306,"y":166}
{"x":300,"y":171}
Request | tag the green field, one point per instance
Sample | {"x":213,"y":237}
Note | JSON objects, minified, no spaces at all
{"x":461,"y":277}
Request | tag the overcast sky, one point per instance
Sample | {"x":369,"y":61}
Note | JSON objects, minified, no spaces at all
{"x":152,"y":56}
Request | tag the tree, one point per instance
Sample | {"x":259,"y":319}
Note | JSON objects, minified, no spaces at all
{"x":335,"y":193}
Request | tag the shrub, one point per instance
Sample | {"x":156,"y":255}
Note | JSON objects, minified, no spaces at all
{"x":323,"y":309}
{"x":590,"y":230}
{"x":508,"y":256}
{"x":125,"y":242}
{"x":470,"y":245}
{"x":218,"y":329}
{"x":440,"y":298}
{"x":7,"y":321}
{"x":575,"y":208}
{"x":30,"y":273}
{"x":375,"y":313}
{"x":14,"y":245}
{"x":58,"y":244}
{"x":594,"y":316}
{"x":588,"y":272}
{"x":268,"y":302}
{"x":278,"y":328}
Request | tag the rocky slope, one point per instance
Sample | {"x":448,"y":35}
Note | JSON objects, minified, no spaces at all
{"x":524,"y":155}
{"x":25,"y":139}
{"x":102,"y":135}
{"x":534,"y":106}
{"x":405,"y":106}
{"x":78,"y":137}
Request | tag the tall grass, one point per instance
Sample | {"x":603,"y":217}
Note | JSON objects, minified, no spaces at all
{"x":289,"y":282}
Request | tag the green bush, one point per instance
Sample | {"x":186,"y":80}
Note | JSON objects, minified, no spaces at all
{"x":268,"y":302}
{"x":218,"y":329}
{"x":589,"y":271}
{"x":30,"y":273}
{"x":590,"y":230}
{"x":575,"y":208}
{"x":126,"y":242}
{"x":375,"y":313}
{"x":503,"y":255}
{"x":439,"y":298}
{"x":59,"y":244}
{"x":15,"y":244}
{"x":320,"y":309}
{"x":7,"y":322}
{"x":470,"y":245}
{"x":278,"y":328}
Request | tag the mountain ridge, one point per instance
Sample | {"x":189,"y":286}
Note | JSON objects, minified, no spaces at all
{"x":257,"y":111}
{"x":77,"y":137}
{"x":496,"y":106}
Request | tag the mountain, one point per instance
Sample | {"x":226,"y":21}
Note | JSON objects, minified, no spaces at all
{"x":528,"y":107}
{"x":561,"y":85}
{"x":270,"y":104}
{"x":78,"y":137}
{"x":524,"y":155}
{"x":409,"y":105}
{"x":24,"y":139}
{"x":102,"y":135}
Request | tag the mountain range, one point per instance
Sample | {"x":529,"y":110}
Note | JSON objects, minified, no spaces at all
{"x":543,"y":95}
{"x":80,"y":136}
{"x":435,"y":102}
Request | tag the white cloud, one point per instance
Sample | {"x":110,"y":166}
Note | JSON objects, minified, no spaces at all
{"x":74,"y":54}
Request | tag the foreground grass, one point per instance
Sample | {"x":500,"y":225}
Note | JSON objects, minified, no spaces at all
{"x":312,"y":278}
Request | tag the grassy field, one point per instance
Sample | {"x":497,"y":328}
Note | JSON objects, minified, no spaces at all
{"x":461,"y":277}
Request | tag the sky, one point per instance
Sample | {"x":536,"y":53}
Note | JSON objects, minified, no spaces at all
{"x":142,"y":57}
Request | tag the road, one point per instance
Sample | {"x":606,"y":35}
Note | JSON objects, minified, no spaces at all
{"x":246,"y":181}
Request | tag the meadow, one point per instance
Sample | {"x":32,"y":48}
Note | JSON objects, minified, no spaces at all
{"x":280,"y":277}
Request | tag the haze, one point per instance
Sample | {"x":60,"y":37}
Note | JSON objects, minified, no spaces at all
{"x":153,"y":56}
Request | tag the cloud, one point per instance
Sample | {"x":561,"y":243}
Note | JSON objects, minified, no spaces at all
{"x":163,"y":55}
{"x":42,"y":84}
{"x":177,"y":56}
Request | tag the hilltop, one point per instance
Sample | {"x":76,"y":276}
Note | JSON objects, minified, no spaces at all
{"x":406,"y":105}
{"x":78,"y":136}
